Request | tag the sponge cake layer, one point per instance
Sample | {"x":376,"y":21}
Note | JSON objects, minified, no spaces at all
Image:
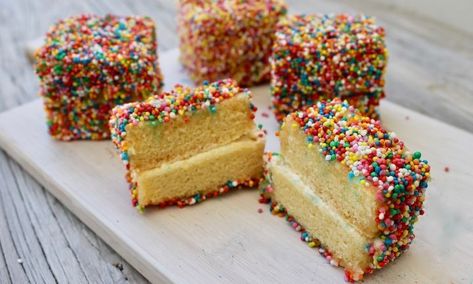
{"x":202,"y":173}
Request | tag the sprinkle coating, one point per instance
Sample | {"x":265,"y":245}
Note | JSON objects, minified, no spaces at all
{"x":88,"y":64}
{"x":228,"y":39}
{"x":320,"y":57}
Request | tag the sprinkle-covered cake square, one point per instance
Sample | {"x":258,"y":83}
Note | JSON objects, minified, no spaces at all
{"x":228,"y":39}
{"x":88,"y":64}
{"x":320,"y":57}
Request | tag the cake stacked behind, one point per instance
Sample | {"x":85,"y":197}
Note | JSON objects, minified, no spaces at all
{"x":320,"y":57}
{"x":187,"y":145}
{"x":349,"y":183}
{"x":88,"y":64}
{"x":228,"y":39}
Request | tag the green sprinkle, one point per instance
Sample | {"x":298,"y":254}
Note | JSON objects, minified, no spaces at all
{"x":61,"y":55}
{"x":416,"y":155}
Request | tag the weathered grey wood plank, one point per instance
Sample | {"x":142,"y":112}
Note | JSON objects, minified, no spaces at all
{"x":19,"y":240}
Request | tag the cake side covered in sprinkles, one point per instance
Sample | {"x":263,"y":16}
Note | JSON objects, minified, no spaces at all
{"x":228,"y":39}
{"x":179,"y":111}
{"x":88,"y":64}
{"x":320,"y":57}
{"x":375,"y":163}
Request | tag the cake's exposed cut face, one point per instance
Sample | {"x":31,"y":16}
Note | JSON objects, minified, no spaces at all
{"x":88,"y":64}
{"x":350,"y":184}
{"x":188,"y":143}
{"x":320,"y":57}
{"x":228,"y":39}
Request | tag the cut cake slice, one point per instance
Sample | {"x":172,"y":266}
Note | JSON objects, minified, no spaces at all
{"x":184,"y":146}
{"x":348,"y":184}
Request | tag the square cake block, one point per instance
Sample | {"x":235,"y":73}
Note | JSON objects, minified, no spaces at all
{"x":348,"y":185}
{"x":187,"y":145}
{"x":228,"y":39}
{"x":320,"y":57}
{"x":88,"y":64}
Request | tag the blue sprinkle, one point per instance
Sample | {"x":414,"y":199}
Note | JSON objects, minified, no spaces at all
{"x":351,"y":175}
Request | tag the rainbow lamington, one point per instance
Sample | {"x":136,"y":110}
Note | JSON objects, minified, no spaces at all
{"x":228,"y":39}
{"x":320,"y":57}
{"x":88,"y":64}
{"x":347,"y":184}
{"x":184,"y":146}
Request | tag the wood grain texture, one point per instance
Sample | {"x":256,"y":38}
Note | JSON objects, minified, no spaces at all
{"x":429,"y":71}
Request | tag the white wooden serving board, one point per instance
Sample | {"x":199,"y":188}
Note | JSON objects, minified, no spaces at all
{"x":226,"y":239}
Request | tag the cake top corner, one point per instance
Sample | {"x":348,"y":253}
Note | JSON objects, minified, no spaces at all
{"x":360,"y":142}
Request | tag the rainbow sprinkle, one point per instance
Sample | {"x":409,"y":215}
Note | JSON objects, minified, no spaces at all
{"x":319,"y":57}
{"x":88,"y":64}
{"x":228,"y":39}
{"x":181,"y":102}
{"x":377,"y":158}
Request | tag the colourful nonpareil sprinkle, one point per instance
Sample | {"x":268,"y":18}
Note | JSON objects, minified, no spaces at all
{"x":88,"y":64}
{"x":228,"y":39}
{"x":378,"y":159}
{"x":320,"y":57}
{"x":182,"y":102}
